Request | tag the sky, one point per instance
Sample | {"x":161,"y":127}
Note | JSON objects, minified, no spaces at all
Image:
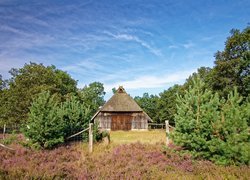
{"x":144,"y":45}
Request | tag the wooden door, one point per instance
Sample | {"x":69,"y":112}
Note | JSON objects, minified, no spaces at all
{"x":121,"y":122}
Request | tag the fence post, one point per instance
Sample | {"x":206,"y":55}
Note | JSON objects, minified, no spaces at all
{"x":167,"y":132}
{"x":4,"y":129}
{"x":90,"y":138}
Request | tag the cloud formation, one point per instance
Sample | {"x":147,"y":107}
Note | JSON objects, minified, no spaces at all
{"x":151,"y":81}
{"x":129,"y":37}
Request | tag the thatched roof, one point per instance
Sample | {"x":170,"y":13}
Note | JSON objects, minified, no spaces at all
{"x":121,"y":102}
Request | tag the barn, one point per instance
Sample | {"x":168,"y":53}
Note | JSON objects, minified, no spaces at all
{"x":121,"y":112}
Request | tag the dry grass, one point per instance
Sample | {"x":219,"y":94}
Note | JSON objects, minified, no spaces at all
{"x":127,"y":137}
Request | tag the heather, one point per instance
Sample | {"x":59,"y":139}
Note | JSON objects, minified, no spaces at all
{"x":137,"y":160}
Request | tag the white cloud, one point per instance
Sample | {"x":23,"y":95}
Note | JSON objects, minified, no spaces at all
{"x":173,"y":47}
{"x":128,"y":37}
{"x":188,"y":45}
{"x":151,"y":81}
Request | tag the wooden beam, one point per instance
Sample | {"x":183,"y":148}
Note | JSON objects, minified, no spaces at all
{"x":77,"y":133}
{"x":2,"y":145}
{"x":90,"y":137}
{"x":167,"y":132}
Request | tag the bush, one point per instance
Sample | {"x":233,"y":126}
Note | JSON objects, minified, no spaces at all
{"x":212,"y":128}
{"x":97,"y":134}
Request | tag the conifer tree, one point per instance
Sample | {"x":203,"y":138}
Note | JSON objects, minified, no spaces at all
{"x":45,"y":127}
{"x":74,"y":114}
{"x":230,"y":142}
{"x":196,"y":111}
{"x":212,"y":128}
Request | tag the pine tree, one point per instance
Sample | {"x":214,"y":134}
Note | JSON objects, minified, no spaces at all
{"x":196,"y":111}
{"x":45,"y":127}
{"x":230,"y":141}
{"x":212,"y":128}
{"x":75,"y":115}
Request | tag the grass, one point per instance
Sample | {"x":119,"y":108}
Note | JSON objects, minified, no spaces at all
{"x":148,"y":137}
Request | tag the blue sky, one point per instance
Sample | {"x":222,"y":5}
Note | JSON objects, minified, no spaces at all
{"x":146,"y":46}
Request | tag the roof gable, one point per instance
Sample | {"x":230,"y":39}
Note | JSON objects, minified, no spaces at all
{"x":121,"y":102}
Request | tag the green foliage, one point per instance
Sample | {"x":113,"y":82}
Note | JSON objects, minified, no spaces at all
{"x":204,"y":73}
{"x":26,"y":83}
{"x":44,"y":126}
{"x":114,"y":90}
{"x":97,"y":134}
{"x":230,"y":142}
{"x":51,"y":122}
{"x":232,"y":66}
{"x":166,"y":104}
{"x":148,"y":104}
{"x":74,"y":114}
{"x":212,"y":128}
{"x":92,"y":96}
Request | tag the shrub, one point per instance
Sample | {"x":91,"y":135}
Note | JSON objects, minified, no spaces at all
{"x":97,"y":134}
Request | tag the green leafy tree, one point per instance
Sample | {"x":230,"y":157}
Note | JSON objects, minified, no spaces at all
{"x":26,"y":83}
{"x":166,"y":104}
{"x":232,"y":65}
{"x":44,"y":127}
{"x":149,"y":104}
{"x":92,"y":96}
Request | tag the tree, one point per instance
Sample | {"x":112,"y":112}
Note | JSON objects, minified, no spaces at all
{"x":166,"y":104}
{"x":92,"y":96}
{"x":148,"y":104}
{"x":211,"y":127}
{"x":196,"y":111}
{"x":114,"y":90}
{"x":1,"y":83}
{"x":230,"y":138}
{"x":44,"y":127}
{"x":74,"y":114}
{"x":27,"y":82}
{"x":204,"y":73}
{"x":232,"y":65}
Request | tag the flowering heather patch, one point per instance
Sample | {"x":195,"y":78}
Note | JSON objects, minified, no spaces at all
{"x":127,"y":161}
